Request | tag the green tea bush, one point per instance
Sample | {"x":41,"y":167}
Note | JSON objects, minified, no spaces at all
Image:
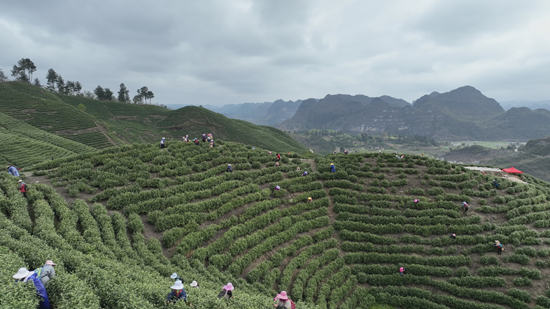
{"x":522,"y":282}
{"x":520,"y":294}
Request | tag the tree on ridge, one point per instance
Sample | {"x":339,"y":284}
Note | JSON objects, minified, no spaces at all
{"x":23,"y":70}
{"x":123,"y":94}
{"x":51,"y":78}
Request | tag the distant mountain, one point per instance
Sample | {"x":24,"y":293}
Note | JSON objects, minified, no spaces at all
{"x":251,"y":112}
{"x":267,"y":113}
{"x":279,"y":111}
{"x":539,"y":146}
{"x":274,"y":113}
{"x":463,"y":113}
{"x":525,"y":103}
{"x":464,"y":103}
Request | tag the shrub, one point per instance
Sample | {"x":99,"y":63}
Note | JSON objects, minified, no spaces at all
{"x":523,"y":282}
{"x":519,"y":294}
{"x":462,"y":272}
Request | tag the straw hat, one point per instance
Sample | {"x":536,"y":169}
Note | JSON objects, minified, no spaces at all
{"x":22,"y":273}
{"x":20,"y":180}
{"x":497,"y":242}
{"x":309,"y":198}
{"x":174,"y":276}
{"x":194,"y":283}
{"x":50,"y":262}
{"x":177,"y":286}
{"x":282,"y":296}
{"x":332,"y":164}
{"x":228,"y":287}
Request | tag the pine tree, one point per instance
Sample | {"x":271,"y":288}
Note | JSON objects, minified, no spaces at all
{"x":123,"y":94}
{"x":51,"y":78}
{"x":23,"y":70}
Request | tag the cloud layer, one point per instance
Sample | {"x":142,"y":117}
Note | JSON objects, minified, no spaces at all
{"x":218,"y":52}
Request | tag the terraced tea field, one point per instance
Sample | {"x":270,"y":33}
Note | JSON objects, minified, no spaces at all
{"x":45,"y":111}
{"x":185,"y":213}
{"x":24,"y":145}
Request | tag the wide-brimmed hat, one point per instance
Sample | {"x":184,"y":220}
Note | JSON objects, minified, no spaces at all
{"x":332,"y":164}
{"x":229,"y":164}
{"x":416,"y":200}
{"x":164,"y":138}
{"x":50,"y":262}
{"x":228,"y":287}
{"x":309,"y":198}
{"x":177,"y":286}
{"x":174,"y":276}
{"x":8,"y":166}
{"x":21,"y":273}
{"x":194,"y":283}
{"x":496,"y":241}
{"x":282,"y":296}
{"x":20,"y":180}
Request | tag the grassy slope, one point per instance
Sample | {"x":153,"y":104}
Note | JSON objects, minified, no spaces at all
{"x":46,"y":111}
{"x":361,"y":227}
{"x":24,"y":145}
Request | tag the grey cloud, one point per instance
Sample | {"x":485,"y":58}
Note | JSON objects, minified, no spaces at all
{"x":456,"y":22}
{"x":217,"y":52}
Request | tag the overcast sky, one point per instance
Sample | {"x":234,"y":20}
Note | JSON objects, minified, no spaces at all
{"x":233,"y":51}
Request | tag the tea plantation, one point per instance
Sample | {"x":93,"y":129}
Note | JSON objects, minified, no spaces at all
{"x":120,"y":221}
{"x":136,"y":123}
{"x":104,"y":124}
{"x":24,"y":145}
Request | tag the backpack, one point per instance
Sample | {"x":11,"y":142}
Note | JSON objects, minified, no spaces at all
{"x":292,"y":304}
{"x":38,"y":272}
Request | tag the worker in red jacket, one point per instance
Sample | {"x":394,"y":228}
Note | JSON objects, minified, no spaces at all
{"x":23,"y":188}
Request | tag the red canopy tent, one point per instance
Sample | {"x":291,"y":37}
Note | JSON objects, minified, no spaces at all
{"x":512,"y":170}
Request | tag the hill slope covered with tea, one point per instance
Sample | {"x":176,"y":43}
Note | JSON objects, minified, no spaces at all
{"x":138,"y":208}
{"x":103,"y":124}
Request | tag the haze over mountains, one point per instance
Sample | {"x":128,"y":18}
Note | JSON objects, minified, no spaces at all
{"x":526,"y":103}
{"x":463,"y":113}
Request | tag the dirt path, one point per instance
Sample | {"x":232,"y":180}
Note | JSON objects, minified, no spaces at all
{"x":102,"y":130}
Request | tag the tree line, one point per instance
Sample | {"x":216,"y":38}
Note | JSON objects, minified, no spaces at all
{"x":24,"y":69}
